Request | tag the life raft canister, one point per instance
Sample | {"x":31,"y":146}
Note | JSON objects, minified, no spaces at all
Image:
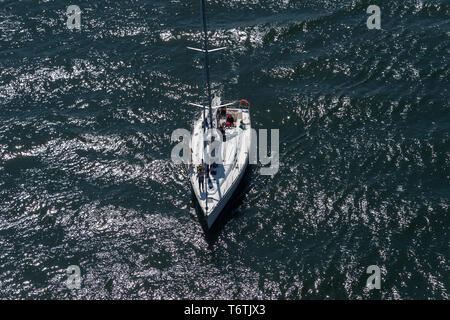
{"x":244,"y":102}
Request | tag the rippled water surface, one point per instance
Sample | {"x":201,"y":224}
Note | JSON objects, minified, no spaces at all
{"x":85,"y":171}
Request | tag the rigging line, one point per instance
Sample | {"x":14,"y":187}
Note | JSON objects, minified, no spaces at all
{"x":208,"y":85}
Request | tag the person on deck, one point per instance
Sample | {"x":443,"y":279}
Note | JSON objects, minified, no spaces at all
{"x":230,"y":120}
{"x":222,"y":112}
{"x":201,"y":177}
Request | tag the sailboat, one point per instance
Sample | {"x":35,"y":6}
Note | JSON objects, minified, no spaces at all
{"x":220,"y":143}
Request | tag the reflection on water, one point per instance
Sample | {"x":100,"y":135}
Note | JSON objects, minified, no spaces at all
{"x":85,"y":171}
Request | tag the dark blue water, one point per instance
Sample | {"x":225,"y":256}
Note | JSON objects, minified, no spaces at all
{"x":86,"y":179}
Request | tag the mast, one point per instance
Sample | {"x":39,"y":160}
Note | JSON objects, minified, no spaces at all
{"x":206,"y":62}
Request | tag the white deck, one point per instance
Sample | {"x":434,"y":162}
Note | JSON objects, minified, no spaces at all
{"x":223,"y":179}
